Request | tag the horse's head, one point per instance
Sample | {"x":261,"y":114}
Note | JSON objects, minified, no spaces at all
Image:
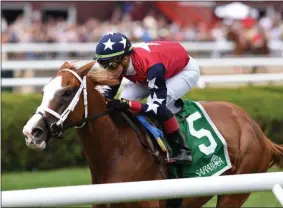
{"x":64,"y":100}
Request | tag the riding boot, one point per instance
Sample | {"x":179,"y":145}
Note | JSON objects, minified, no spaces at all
{"x":184,"y":155}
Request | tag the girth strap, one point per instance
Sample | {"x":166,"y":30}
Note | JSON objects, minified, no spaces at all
{"x":151,"y":149}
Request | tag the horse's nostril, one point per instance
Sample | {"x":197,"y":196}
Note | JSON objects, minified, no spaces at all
{"x":37,"y":132}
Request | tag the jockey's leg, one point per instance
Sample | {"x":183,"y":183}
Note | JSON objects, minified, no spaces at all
{"x":181,"y":84}
{"x":133,"y":91}
{"x":175,"y":136}
{"x":177,"y":87}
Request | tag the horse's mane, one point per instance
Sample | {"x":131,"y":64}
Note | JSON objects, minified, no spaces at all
{"x":96,"y":75}
{"x":102,"y":77}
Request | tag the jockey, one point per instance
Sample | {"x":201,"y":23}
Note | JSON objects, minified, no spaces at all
{"x":159,"y":70}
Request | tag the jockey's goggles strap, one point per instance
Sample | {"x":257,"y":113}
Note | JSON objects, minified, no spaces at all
{"x":73,"y":103}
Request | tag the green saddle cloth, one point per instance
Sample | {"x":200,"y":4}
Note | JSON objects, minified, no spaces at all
{"x":209,"y":148}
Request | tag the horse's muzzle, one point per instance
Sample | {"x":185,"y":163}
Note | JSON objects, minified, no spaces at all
{"x":31,"y":144}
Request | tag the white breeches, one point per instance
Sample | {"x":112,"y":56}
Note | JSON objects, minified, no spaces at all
{"x":177,"y":86}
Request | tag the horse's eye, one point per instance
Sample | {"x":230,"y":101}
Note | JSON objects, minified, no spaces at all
{"x":67,"y":93}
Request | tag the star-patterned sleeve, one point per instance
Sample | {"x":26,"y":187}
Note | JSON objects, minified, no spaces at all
{"x":110,"y":92}
{"x":158,"y":92}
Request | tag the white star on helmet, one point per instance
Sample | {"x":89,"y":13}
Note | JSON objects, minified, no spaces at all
{"x":123,"y":41}
{"x":108,"y":44}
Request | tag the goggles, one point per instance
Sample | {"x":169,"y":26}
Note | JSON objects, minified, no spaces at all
{"x":110,"y":65}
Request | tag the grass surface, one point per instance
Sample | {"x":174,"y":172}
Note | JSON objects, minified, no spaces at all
{"x":81,"y":176}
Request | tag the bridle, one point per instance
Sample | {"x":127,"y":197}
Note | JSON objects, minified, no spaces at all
{"x":56,"y":129}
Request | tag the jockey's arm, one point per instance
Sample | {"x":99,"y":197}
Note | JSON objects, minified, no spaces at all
{"x":158,"y":92}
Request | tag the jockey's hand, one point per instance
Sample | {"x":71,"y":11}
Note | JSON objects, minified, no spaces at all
{"x":122,"y":104}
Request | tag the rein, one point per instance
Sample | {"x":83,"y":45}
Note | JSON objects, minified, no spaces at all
{"x":89,"y":118}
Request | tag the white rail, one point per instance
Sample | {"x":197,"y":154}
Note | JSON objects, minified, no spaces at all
{"x":242,"y":78}
{"x":206,"y":79}
{"x":90,"y":47}
{"x":202,"y":62}
{"x":278,"y":192}
{"x":140,"y":191}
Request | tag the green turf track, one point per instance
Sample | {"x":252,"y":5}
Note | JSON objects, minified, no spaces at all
{"x":80,"y":176}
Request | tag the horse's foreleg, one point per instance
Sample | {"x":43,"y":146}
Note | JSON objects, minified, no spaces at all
{"x":235,"y":200}
{"x":195,"y":202}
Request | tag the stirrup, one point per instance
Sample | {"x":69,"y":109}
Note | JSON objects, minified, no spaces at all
{"x":179,"y":162}
{"x":169,"y":161}
{"x":176,"y":162}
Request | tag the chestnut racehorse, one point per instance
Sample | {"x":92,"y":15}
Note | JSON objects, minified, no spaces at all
{"x":114,"y":152}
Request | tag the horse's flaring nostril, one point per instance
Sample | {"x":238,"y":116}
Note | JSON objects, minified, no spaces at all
{"x":37,"y":132}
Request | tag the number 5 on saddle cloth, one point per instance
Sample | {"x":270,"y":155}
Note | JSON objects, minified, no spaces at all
{"x":209,"y":148}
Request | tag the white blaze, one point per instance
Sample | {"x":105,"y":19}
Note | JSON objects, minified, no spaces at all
{"x":49,"y":92}
{"x":30,"y":125}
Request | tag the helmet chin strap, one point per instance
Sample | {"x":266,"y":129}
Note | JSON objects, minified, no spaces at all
{"x":122,"y":73}
{"x":125,"y":67}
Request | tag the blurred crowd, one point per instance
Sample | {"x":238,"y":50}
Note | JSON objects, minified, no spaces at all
{"x":249,"y":35}
{"x":152,"y":27}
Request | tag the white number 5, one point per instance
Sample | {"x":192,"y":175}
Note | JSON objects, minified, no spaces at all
{"x":201,"y":133}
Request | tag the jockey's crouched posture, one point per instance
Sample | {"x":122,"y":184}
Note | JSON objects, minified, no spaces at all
{"x":159,"y":70}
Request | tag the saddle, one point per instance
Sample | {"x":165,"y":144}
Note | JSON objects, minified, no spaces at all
{"x":156,"y":141}
{"x":152,"y":141}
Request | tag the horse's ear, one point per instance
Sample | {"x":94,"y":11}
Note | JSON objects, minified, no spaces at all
{"x":82,"y":71}
{"x":64,"y":66}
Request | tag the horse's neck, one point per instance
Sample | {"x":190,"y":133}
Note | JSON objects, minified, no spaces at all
{"x":101,"y":139}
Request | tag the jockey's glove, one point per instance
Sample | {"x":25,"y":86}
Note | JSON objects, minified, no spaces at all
{"x":122,"y":104}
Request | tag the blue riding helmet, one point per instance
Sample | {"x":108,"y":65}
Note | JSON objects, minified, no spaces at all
{"x":111,"y":47}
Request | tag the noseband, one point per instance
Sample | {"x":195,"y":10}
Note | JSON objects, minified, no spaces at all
{"x":56,"y":129}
